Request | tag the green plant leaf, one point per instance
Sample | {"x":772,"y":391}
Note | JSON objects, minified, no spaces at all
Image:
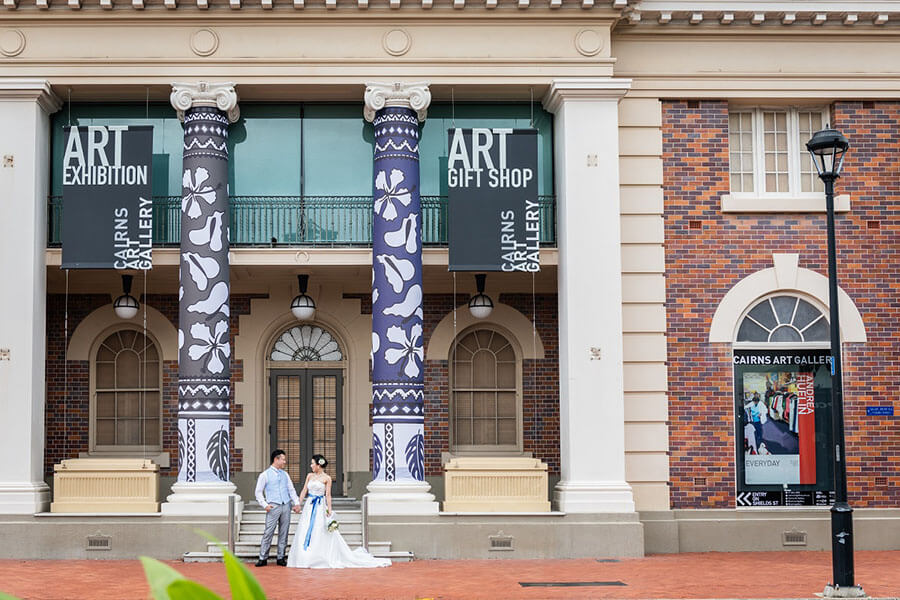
{"x":244,"y":585}
{"x":7,"y":597}
{"x":185,"y":589}
{"x":159,"y":576}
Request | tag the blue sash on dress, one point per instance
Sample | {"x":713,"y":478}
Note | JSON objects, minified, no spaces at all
{"x":315,"y":501}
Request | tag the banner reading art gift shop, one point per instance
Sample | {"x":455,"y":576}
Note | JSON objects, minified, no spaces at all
{"x":783,"y":409}
{"x":107,"y":209}
{"x":494,"y":213}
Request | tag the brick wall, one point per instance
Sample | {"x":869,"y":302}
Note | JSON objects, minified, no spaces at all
{"x":540,"y":382}
{"x":703,"y":263}
{"x":67,"y":423}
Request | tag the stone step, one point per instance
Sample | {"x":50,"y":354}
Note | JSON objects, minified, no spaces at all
{"x":214,"y":553}
{"x":341,"y":515}
{"x":260,"y":526}
{"x":256,"y":538}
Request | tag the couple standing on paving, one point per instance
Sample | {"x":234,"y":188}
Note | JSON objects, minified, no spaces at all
{"x":317,"y":542}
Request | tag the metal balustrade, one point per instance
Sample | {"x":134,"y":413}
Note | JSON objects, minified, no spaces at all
{"x":278,"y":221}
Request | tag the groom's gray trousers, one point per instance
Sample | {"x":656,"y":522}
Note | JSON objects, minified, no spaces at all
{"x":279,"y":515}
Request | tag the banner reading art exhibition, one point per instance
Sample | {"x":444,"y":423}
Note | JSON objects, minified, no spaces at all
{"x":494,"y":213}
{"x":107,"y":208}
{"x":783,"y":401}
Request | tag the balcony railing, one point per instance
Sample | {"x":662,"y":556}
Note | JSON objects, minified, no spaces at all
{"x":302,"y":220}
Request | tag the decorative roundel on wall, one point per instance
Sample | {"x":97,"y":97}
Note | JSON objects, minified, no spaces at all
{"x":589,"y":42}
{"x":204,"y":42}
{"x":396,"y":42}
{"x":12,"y":42}
{"x":306,"y":343}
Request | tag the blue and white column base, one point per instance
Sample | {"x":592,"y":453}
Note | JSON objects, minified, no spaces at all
{"x":401,"y":498}
{"x":201,"y":499}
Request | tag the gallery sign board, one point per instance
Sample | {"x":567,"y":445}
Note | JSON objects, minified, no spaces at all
{"x":783,"y":427}
{"x":494,"y":212}
{"x":107,"y":207}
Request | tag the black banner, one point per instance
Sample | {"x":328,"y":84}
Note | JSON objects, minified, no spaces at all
{"x":494,"y":214}
{"x":107,"y":208}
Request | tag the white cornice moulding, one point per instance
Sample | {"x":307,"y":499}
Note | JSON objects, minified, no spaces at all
{"x":584,"y":90}
{"x":37,"y":90}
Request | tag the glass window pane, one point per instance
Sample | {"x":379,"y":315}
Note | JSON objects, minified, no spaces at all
{"x":506,"y":375}
{"x":462,"y":374}
{"x":506,"y":405}
{"x":484,"y":369}
{"x":485,"y":432}
{"x":806,"y":314}
{"x":462,"y":404}
{"x":785,"y":333}
{"x":106,"y":404}
{"x":784,"y":308}
{"x":106,"y":432}
{"x":751,"y":332}
{"x":763,"y":314}
{"x":106,"y":375}
{"x":151,"y":432}
{"x":127,"y":369}
{"x":462,"y":432}
{"x":506,"y":432}
{"x":819,"y":331}
{"x":150,"y":370}
{"x":151,"y":404}
{"x":128,"y":432}
{"x":128,"y":404}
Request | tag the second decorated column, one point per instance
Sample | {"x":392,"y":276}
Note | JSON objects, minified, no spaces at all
{"x":398,"y":438}
{"x":204,"y":344}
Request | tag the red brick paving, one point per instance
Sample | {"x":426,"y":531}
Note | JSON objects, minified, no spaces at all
{"x":709,"y":575}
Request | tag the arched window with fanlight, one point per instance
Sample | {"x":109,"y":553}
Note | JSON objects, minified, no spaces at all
{"x":485,"y":395}
{"x":127,"y":386}
{"x":784,"y":319}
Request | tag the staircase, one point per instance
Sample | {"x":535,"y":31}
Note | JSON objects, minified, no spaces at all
{"x":253,"y":521}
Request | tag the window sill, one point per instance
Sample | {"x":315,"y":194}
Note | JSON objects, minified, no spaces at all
{"x":448,"y":456}
{"x":158,"y":458}
{"x":782,"y":204}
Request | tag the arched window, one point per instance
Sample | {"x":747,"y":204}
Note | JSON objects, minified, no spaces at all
{"x":785,"y":319}
{"x":127,"y":393}
{"x":306,"y":343}
{"x":485,"y":411}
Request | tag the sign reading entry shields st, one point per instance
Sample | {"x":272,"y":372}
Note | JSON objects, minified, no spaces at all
{"x":107,"y":209}
{"x":494,"y":214}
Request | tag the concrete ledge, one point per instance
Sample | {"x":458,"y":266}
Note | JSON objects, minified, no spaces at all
{"x":545,"y":535}
{"x":65,"y":536}
{"x":723,"y":530}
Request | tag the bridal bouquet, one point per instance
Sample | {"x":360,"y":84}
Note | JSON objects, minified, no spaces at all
{"x":332,"y":523}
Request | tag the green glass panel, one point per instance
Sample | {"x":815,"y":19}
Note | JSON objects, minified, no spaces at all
{"x":264,"y":151}
{"x":338,"y":145}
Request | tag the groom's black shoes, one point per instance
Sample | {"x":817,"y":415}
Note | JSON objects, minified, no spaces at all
{"x":262,"y":562}
{"x":281,"y":562}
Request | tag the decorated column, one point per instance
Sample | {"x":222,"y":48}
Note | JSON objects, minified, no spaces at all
{"x":204,"y":345}
{"x":398,"y":438}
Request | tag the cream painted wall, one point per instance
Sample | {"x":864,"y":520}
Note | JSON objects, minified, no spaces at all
{"x":643,"y":308}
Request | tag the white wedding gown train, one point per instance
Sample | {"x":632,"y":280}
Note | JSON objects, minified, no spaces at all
{"x":314,"y":547}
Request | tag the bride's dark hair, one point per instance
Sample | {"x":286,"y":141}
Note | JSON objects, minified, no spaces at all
{"x":320,"y":460}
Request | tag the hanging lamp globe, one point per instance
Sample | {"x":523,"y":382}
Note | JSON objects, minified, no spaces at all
{"x":303,"y":307}
{"x":827,"y":148}
{"x":126,"y":305}
{"x":481,"y":305}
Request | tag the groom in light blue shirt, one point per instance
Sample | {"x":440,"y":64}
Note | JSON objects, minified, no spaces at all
{"x":275,"y":492}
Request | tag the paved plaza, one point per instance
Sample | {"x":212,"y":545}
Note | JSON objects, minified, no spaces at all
{"x":708,"y":575}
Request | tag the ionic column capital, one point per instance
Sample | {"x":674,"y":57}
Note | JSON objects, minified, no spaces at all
{"x":415,"y":95}
{"x":220,"y":95}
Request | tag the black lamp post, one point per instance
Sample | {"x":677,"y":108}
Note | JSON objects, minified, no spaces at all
{"x":827,"y":148}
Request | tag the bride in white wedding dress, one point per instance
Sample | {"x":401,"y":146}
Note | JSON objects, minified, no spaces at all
{"x":314,"y":547}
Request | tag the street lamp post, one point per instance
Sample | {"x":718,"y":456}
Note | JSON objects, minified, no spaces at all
{"x":827,"y":148}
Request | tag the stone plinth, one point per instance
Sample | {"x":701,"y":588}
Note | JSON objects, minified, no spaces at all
{"x":113,"y":485}
{"x":501,"y":484}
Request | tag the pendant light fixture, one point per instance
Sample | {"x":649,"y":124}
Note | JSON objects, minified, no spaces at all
{"x":126,"y":305}
{"x":302,"y":306}
{"x":481,"y":304}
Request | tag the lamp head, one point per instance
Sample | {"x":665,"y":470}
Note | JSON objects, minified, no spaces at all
{"x":827,"y":148}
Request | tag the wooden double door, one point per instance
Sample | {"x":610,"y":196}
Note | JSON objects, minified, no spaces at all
{"x":306,"y":419}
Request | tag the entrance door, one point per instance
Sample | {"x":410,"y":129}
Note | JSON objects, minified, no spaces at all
{"x":306,"y":419}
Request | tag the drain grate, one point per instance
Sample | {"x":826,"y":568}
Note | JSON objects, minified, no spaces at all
{"x":608,"y":560}
{"x":570,"y":583}
{"x":98,"y":542}
{"x":793,"y":538}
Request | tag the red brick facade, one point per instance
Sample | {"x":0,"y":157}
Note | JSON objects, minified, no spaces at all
{"x":72,"y":380}
{"x":708,"y":252}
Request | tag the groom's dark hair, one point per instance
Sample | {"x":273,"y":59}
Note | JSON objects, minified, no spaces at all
{"x":275,"y":454}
